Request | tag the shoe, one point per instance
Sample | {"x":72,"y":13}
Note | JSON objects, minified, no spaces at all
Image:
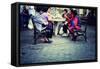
{"x":74,"y":38}
{"x":48,"y":41}
{"x":64,"y":34}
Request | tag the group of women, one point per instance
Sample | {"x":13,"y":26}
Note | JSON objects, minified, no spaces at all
{"x":43,"y":21}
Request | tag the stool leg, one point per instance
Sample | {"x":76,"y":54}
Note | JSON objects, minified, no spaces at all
{"x":35,"y":35}
{"x":85,"y":37}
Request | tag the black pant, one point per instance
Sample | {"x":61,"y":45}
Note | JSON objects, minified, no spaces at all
{"x":65,"y":27}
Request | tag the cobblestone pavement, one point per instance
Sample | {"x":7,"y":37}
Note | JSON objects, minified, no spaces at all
{"x":61,"y":49}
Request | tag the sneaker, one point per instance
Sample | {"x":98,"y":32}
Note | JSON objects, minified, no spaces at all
{"x":64,"y":34}
{"x":48,"y":41}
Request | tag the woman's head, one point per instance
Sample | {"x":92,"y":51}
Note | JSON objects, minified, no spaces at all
{"x":73,"y":12}
{"x":45,"y":9}
{"x":37,"y":8}
{"x":41,"y":8}
{"x":65,"y":11}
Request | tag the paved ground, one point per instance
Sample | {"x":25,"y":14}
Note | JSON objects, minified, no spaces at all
{"x":61,"y":49}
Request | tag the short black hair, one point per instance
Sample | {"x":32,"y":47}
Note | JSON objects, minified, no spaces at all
{"x":45,"y":9}
{"x":75,"y":12}
{"x":72,"y":10}
{"x":41,"y":8}
{"x":66,"y":10}
{"x":37,"y":8}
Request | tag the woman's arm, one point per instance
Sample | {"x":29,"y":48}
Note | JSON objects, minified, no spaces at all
{"x":66,"y":17}
{"x":49,"y":17}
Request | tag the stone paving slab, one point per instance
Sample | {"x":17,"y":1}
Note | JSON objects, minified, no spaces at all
{"x":61,"y":49}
